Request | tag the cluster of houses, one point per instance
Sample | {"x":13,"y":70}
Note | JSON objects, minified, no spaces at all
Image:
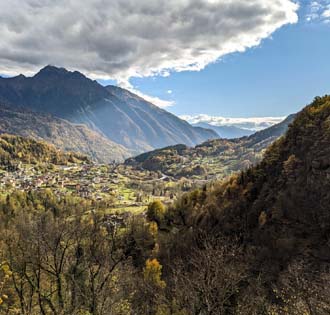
{"x":119,"y":186}
{"x":85,"y":181}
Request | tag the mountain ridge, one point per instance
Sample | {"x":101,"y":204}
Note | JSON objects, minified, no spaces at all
{"x":116,"y":113}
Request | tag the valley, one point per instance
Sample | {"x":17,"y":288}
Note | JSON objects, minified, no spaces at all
{"x":118,"y":188}
{"x":163,"y":174}
{"x":164,"y":157}
{"x":214,"y":159}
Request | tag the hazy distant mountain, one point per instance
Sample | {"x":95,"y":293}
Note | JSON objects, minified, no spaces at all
{"x":226,"y":132}
{"x":61,"y":133}
{"x":118,"y":114}
{"x":246,"y":123}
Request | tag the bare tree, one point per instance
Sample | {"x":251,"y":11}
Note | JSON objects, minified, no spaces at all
{"x":208,"y":281}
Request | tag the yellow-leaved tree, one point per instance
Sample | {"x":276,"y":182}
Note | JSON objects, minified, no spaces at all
{"x":153,"y":272}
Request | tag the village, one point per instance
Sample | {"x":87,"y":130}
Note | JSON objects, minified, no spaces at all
{"x":118,"y":186}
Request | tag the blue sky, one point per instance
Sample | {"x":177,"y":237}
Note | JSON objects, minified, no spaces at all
{"x":276,"y":78}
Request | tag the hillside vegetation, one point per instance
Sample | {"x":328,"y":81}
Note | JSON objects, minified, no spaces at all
{"x":15,"y":149}
{"x":256,"y":243}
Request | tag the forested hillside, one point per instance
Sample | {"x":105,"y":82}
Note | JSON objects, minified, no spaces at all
{"x":260,"y":240}
{"x":15,"y":149}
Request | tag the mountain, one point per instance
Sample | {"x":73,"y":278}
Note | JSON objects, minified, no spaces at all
{"x":226,"y":132}
{"x":212,"y":159}
{"x":290,"y":184}
{"x":15,"y":149}
{"x":61,"y":133}
{"x":118,"y":114}
{"x":270,"y":222}
{"x":283,"y":202}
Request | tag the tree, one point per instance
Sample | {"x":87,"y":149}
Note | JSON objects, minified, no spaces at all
{"x":156,"y":212}
{"x":149,"y":297}
{"x":5,"y":274}
{"x":152,"y":273}
{"x":208,"y":282}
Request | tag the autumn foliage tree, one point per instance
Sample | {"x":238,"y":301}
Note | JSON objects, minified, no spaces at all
{"x":156,"y":212}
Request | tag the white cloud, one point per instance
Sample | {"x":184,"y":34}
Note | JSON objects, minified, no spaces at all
{"x":120,"y":39}
{"x":169,"y":91}
{"x":326,"y":13}
{"x":152,"y":99}
{"x":318,"y":11}
{"x":249,"y":123}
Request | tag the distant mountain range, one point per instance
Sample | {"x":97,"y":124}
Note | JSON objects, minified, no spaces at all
{"x":115,"y":113}
{"x":232,"y":127}
{"x":226,"y":132}
{"x":212,"y":159}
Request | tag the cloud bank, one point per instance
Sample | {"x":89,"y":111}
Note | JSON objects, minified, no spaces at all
{"x":120,"y":39}
{"x":124,"y":38}
{"x":250,"y":123}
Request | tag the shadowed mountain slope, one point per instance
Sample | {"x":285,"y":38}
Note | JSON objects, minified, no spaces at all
{"x":118,"y":114}
{"x":61,"y":133}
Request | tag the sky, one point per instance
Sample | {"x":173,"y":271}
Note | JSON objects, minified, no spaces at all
{"x":276,"y":78}
{"x":204,"y":59}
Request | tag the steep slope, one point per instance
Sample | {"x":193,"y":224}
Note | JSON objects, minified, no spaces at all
{"x":120,"y":115}
{"x":259,"y":240}
{"x":61,"y":133}
{"x":15,"y":149}
{"x":282,"y":205}
{"x":155,"y":125}
{"x":215,"y":158}
{"x":272,"y":132}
